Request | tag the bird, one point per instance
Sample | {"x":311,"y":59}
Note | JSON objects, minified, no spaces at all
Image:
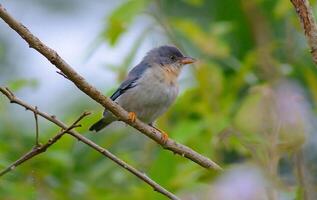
{"x":150,"y":87}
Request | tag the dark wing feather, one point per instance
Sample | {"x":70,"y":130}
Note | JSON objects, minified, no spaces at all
{"x":127,"y":84}
{"x":130,"y":81}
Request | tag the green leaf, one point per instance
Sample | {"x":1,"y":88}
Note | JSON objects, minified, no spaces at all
{"x":19,"y":84}
{"x":187,"y":129}
{"x":210,"y":42}
{"x":121,"y":18}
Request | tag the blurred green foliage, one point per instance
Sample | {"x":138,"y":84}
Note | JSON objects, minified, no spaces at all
{"x":120,"y":19}
{"x":251,"y":98}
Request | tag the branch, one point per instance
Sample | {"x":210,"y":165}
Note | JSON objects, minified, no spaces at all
{"x":106,"y":102}
{"x":36,"y":128}
{"x":105,"y":152}
{"x":38,"y":149}
{"x":62,"y":74}
{"x":308,"y":22}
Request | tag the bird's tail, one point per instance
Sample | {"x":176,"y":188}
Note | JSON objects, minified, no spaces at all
{"x":102,"y":123}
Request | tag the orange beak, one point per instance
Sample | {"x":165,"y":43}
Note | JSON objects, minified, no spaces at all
{"x":187,"y":60}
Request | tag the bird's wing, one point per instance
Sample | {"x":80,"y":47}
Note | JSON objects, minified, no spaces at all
{"x":131,"y":80}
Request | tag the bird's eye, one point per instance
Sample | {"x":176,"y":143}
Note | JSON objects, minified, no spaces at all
{"x":173,"y":58}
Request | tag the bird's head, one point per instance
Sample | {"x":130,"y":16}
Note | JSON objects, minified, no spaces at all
{"x":168,"y":57}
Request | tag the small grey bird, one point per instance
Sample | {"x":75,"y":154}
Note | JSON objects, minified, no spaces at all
{"x":150,"y":87}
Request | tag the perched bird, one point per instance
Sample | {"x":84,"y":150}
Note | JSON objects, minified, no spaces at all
{"x":150,"y":87}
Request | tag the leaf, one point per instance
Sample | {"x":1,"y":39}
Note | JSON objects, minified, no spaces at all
{"x":195,"y":3}
{"x":186,"y":130}
{"x":281,"y":8}
{"x":121,"y":18}
{"x":19,"y":84}
{"x":163,"y":169}
{"x":210,"y":42}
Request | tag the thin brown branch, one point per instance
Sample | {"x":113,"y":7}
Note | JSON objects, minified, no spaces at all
{"x":62,"y":74}
{"x":105,"y":152}
{"x":36,"y":128}
{"x":106,"y":102}
{"x":308,"y":22}
{"x":38,"y":149}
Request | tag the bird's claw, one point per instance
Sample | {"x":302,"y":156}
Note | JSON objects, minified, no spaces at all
{"x":132,"y":117}
{"x":164,"y":137}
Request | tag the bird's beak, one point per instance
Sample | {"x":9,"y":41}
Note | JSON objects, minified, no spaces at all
{"x":187,"y":60}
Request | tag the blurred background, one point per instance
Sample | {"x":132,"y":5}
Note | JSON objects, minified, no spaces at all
{"x":249,"y":103}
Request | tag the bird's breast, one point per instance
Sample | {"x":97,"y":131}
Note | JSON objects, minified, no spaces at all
{"x":151,"y":96}
{"x":158,"y":88}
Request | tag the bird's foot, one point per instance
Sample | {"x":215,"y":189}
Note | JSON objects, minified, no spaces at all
{"x":132,"y":117}
{"x":164,"y":137}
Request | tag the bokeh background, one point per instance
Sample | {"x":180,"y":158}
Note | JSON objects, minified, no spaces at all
{"x":249,"y":103}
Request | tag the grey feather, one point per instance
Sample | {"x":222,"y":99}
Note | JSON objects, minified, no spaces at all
{"x":130,"y":81}
{"x":151,"y":97}
{"x":147,"y":91}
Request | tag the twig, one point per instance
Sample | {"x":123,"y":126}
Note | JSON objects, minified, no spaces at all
{"x":308,"y":21}
{"x":36,"y":128}
{"x":38,"y":149}
{"x":106,"y":102}
{"x":62,"y":74}
{"x":105,"y":152}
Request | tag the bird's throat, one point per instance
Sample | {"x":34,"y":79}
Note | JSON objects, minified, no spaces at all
{"x":171,"y":74}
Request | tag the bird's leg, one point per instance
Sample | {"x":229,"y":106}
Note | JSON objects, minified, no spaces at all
{"x":132,"y":116}
{"x":164,"y":135}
